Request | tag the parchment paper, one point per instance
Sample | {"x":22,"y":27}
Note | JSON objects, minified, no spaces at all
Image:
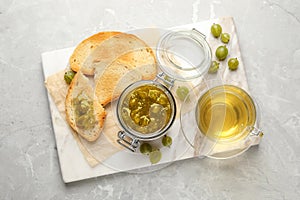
{"x":93,"y":152}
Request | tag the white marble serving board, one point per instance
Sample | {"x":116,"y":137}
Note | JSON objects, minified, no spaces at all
{"x":72,"y":162}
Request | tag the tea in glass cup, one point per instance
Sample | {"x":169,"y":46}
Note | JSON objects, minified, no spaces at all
{"x":225,"y":114}
{"x":220,"y":121}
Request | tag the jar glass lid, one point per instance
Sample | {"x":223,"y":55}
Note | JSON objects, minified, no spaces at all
{"x":183,"y":54}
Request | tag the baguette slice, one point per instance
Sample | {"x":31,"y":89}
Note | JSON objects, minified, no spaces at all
{"x":80,"y":85}
{"x":84,"y":49}
{"x":138,"y":64}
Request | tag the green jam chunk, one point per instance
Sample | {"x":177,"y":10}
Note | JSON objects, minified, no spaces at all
{"x":146,"y":109}
{"x":84,"y":112}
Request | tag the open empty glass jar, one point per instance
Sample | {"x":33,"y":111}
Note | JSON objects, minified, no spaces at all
{"x":147,"y":109}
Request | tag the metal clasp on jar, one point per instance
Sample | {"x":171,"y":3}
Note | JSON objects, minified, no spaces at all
{"x":168,"y":81}
{"x":131,"y":144}
{"x":201,"y":34}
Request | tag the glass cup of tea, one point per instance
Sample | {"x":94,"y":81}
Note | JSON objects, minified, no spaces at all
{"x":221,"y":121}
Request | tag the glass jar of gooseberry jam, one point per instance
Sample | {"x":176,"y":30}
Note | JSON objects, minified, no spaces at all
{"x":147,"y":109}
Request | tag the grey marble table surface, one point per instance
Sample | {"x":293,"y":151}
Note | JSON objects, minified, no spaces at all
{"x":270,"y":44}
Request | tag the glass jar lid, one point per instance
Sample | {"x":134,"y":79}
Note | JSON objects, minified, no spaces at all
{"x":183,"y":54}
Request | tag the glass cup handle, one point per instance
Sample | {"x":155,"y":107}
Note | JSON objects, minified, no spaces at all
{"x":256,"y":132}
{"x":131,"y":144}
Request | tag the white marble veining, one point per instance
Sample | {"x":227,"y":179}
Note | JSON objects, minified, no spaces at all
{"x":269,"y":37}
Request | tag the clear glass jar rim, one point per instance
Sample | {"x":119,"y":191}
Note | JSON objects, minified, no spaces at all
{"x":150,"y":136}
{"x":174,"y":69}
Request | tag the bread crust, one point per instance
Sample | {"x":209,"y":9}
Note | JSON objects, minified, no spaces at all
{"x":110,"y":85}
{"x":85,"y":48}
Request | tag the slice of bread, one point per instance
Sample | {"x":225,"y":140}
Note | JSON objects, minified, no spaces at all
{"x":138,"y":64}
{"x":98,"y":51}
{"x":80,"y":85}
{"x":111,"y":49}
{"x":85,"y":48}
{"x":116,"y":60}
